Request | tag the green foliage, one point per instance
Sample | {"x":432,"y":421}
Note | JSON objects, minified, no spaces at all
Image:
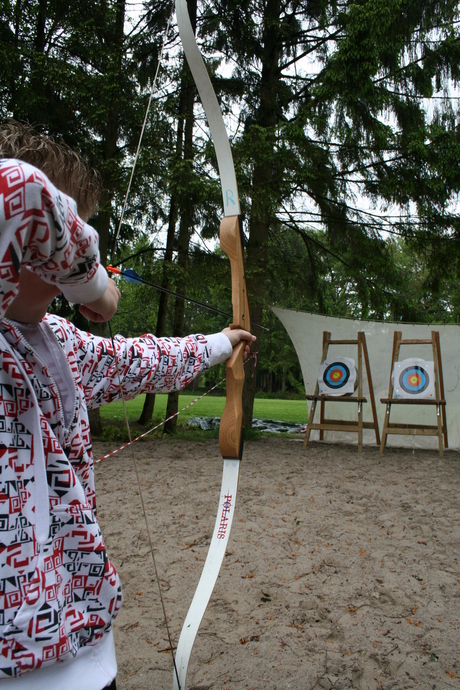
{"x":72,"y":71}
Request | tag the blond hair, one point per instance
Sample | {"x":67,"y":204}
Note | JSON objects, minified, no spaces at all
{"x":66,"y":169}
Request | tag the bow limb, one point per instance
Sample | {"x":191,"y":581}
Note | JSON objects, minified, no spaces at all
{"x":212,"y":109}
{"x":231,"y":425}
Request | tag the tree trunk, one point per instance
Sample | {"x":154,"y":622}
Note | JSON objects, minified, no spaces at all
{"x":95,"y":422}
{"x":262,"y":188}
{"x":186,"y":219}
{"x":149,"y":403}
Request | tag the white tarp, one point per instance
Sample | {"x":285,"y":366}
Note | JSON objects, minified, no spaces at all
{"x":306,"y":333}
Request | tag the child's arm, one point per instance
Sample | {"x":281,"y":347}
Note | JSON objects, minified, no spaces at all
{"x":40,"y":229}
{"x":144,"y":365}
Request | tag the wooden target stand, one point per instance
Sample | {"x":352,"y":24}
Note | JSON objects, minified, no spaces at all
{"x":357,"y":426}
{"x":440,"y":428}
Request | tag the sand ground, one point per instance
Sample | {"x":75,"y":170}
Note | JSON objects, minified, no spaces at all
{"x":342,"y":570}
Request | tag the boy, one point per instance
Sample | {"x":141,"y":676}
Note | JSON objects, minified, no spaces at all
{"x":59,"y":591}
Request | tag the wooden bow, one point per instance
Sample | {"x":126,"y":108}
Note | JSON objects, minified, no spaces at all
{"x":231,"y":424}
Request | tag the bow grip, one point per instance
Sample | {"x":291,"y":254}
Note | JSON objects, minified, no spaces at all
{"x":232,"y":421}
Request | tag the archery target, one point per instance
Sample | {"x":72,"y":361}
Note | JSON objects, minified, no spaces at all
{"x":337,"y":376}
{"x":413,"y":378}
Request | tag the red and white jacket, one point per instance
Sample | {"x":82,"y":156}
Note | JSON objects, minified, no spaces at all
{"x":59,"y":591}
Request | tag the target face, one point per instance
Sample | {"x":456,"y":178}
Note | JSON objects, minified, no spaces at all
{"x":414,"y":378}
{"x":337,"y":376}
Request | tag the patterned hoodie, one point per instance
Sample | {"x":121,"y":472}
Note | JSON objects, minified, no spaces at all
{"x":58,"y":590}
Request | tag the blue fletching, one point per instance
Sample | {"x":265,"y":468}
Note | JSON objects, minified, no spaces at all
{"x":132,"y":276}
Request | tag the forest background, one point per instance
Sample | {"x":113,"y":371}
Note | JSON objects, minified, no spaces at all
{"x":344,"y":124}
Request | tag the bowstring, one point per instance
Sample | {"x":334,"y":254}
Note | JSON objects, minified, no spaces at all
{"x":136,"y":469}
{"x":144,"y":124}
{"x":131,"y":441}
{"x":143,"y":508}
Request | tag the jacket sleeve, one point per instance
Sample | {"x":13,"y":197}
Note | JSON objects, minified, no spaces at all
{"x":144,"y":365}
{"x":40,"y":228}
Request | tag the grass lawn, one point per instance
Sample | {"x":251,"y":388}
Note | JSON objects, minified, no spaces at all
{"x":209,"y":406}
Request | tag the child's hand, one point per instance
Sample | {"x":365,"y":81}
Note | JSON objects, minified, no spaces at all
{"x":235,"y":335}
{"x":104,"y":308}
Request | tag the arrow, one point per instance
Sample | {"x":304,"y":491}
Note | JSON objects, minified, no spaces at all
{"x":133,"y":277}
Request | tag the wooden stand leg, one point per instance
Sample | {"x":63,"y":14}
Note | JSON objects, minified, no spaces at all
{"x":360,"y":428}
{"x":440,"y":430}
{"x":310,"y":422}
{"x":386,"y":421}
{"x":321,"y":419}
